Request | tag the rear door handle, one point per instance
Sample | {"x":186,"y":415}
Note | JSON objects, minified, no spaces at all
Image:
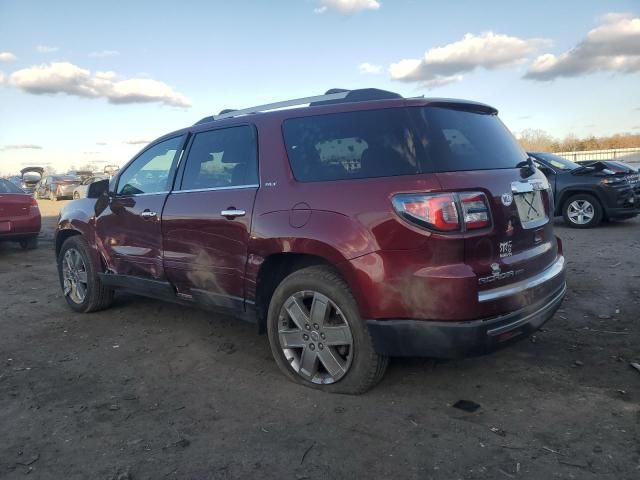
{"x":148,"y":215}
{"x":232,"y":213}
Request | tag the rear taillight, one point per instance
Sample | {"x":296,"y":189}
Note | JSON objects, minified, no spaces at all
{"x":444,"y":212}
{"x":34,"y":205}
{"x":475,"y":210}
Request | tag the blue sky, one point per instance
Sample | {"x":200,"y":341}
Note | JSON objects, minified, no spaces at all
{"x":91,"y":81}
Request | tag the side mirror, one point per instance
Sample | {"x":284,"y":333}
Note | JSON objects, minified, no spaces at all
{"x":97,"y":189}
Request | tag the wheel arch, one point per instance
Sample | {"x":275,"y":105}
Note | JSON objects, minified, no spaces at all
{"x":568,"y":192}
{"x":277,"y":266}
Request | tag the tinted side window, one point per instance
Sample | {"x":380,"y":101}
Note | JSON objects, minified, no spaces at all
{"x":149,"y":173}
{"x":372,"y":143}
{"x":222,"y":158}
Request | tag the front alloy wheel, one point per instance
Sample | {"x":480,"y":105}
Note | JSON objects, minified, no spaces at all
{"x":74,"y":275}
{"x":315,"y":337}
{"x":81,"y":285}
{"x":582,"y":211}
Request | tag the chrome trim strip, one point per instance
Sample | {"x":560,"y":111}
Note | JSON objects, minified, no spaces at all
{"x":286,"y":103}
{"x":238,"y":187}
{"x":551,"y":305}
{"x":518,"y":287}
{"x":125,"y":195}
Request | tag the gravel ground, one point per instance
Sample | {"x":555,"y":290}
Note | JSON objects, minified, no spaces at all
{"x":148,"y":390}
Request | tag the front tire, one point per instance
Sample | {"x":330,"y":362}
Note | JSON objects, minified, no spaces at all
{"x":582,"y":211}
{"x":81,"y":286}
{"x":317,"y":336}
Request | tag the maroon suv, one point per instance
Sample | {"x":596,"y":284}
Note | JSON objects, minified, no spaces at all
{"x":362,"y":226}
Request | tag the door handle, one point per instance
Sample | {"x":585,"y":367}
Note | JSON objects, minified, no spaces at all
{"x":232,"y":213}
{"x":148,"y":215}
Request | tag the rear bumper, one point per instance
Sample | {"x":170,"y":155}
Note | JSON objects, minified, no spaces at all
{"x":423,"y":338}
{"x":20,"y":227}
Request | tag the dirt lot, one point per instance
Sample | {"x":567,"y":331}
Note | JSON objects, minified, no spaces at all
{"x":148,"y":390}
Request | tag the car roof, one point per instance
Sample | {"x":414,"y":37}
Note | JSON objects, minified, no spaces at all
{"x":320,"y":108}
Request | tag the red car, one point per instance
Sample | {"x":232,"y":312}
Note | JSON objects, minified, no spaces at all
{"x":362,"y":226}
{"x":19,"y":216}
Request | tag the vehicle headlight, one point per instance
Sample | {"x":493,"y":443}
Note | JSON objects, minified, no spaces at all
{"x":611,"y":181}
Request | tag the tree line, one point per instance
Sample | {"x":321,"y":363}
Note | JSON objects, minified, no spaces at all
{"x":537,"y":140}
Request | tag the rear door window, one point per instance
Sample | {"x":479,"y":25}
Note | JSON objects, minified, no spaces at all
{"x":222,"y":158}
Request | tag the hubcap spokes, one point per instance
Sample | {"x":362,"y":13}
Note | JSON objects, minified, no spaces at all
{"x":74,"y":276}
{"x":315,"y":337}
{"x":580,"y":212}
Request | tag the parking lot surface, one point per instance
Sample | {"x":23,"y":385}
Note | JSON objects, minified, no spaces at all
{"x":150,"y":390}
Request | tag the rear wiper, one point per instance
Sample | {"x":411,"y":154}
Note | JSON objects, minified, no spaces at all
{"x":527,"y":168}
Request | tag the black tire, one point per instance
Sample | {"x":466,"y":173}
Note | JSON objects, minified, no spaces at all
{"x":581,"y":198}
{"x":97,"y":296}
{"x":366,"y":367}
{"x":30,"y":243}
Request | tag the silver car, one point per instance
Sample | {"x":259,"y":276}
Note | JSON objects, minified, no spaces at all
{"x":81,"y":190}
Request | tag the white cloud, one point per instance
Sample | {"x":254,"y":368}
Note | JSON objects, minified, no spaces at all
{"x":7,"y":57}
{"x":104,"y":53}
{"x":46,"y":49}
{"x":367,"y":68}
{"x":442,"y":65}
{"x":22,"y":146}
{"x":347,"y":7}
{"x":441,"y":81}
{"x":2,"y":78}
{"x":137,"y":141}
{"x":64,"y":77}
{"x":612,"y":46}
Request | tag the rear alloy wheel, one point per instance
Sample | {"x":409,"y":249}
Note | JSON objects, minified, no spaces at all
{"x":582,"y":211}
{"x":317,"y":336}
{"x":79,"y":279}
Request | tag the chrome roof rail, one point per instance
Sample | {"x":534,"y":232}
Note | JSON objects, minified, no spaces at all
{"x":286,"y":103}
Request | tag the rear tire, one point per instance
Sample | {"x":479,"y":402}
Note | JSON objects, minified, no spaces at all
{"x":353,"y":365}
{"x":75,"y":252}
{"x":582,"y":211}
{"x":30,"y":243}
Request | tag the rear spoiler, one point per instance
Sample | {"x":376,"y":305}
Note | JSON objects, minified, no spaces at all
{"x":463,"y":105}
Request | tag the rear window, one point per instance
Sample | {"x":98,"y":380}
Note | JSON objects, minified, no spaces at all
{"x":7,"y":187}
{"x":65,"y":178}
{"x":398,"y":141}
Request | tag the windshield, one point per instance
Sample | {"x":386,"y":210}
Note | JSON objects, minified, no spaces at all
{"x":397,"y":141}
{"x":555,"y":161}
{"x":7,"y":187}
